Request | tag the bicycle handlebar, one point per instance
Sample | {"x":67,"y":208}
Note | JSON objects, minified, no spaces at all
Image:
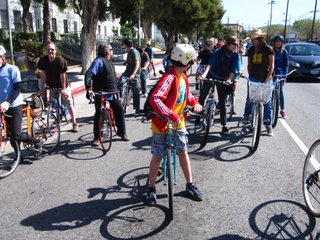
{"x":281,"y":77}
{"x":216,"y":81}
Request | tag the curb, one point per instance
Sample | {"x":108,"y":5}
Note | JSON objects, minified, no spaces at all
{"x":78,"y":90}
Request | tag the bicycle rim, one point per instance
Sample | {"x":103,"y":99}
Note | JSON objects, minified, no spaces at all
{"x":105,"y":130}
{"x":256,"y":126}
{"x":311,"y":179}
{"x":275,"y":108}
{"x":46,"y":128}
{"x":9,"y":156}
{"x":170,"y":182}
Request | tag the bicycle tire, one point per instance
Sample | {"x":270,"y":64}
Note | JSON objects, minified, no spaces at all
{"x":256,"y":126}
{"x":47,"y":129}
{"x":38,"y":99}
{"x":10,"y":155}
{"x":105,"y":130}
{"x":207,"y":123}
{"x":275,"y":107}
{"x":311,"y":179}
{"x":170,"y":181}
{"x":229,"y":106}
{"x":126,"y":98}
{"x":189,"y":71}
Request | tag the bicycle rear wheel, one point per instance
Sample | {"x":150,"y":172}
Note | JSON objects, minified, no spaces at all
{"x":9,"y":155}
{"x":169,"y":181}
{"x":46,"y":128}
{"x":275,"y":107}
{"x":311,"y":179}
{"x":256,"y":126}
{"x":105,"y":130}
{"x":207,"y":123}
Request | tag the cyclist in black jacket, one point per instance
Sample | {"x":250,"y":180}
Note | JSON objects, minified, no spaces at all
{"x":103,"y":77}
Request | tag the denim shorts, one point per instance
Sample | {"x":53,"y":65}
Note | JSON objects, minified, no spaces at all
{"x":159,"y":141}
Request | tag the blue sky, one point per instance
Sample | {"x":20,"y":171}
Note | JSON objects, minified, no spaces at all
{"x":256,"y":13}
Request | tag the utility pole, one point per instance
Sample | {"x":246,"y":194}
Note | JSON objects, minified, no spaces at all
{"x":314,"y":19}
{"x":139,"y":25}
{"x":271,"y":3}
{"x":285,"y":21}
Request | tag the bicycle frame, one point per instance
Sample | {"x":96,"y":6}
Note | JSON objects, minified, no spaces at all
{"x":170,"y":145}
{"x":56,"y":107}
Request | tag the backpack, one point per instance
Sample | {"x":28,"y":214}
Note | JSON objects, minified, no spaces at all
{"x":147,"y":108}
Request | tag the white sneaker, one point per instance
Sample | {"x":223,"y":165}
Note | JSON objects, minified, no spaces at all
{"x":269,"y":131}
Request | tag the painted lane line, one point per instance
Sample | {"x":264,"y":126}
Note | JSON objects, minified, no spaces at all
{"x":295,"y":137}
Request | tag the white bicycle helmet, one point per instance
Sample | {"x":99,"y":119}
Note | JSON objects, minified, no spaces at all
{"x":2,"y":50}
{"x":183,"y":53}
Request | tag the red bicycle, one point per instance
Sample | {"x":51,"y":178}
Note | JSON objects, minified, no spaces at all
{"x":106,"y":120}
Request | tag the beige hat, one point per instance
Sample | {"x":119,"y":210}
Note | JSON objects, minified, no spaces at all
{"x":257,"y":33}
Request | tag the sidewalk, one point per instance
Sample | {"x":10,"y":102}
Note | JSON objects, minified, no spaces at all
{"x":77,"y":80}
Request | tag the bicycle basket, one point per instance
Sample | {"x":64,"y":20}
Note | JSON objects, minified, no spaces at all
{"x":30,"y":86}
{"x":260,"y":92}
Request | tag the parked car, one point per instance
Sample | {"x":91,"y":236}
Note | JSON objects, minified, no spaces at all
{"x":305,"y":58}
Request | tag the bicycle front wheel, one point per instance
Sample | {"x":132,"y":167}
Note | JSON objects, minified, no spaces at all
{"x":207,"y":123}
{"x":9,"y":155}
{"x":126,"y":98}
{"x":170,"y":181}
{"x":275,"y":107}
{"x":105,"y":130}
{"x":46,"y":128}
{"x":256,"y":126}
{"x":311,"y":179}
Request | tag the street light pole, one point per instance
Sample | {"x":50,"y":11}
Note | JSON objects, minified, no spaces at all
{"x":272,"y":2}
{"x":314,"y":19}
{"x":10,"y":31}
{"x":285,"y":21}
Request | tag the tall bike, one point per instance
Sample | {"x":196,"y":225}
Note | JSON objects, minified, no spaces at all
{"x":311,"y":179}
{"x":276,"y":96}
{"x":9,"y":149}
{"x":259,"y":94}
{"x":210,"y":110}
{"x":106,"y":120}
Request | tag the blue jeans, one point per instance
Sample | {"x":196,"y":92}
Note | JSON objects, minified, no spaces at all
{"x":281,"y":85}
{"x":267,"y":113}
{"x":143,"y":78}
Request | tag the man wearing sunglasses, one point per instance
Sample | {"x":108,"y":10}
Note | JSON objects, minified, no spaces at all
{"x":53,"y":74}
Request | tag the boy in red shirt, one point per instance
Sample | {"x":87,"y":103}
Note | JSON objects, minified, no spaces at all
{"x":169,"y":100}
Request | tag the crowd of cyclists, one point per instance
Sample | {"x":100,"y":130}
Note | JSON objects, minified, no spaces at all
{"x":221,"y":61}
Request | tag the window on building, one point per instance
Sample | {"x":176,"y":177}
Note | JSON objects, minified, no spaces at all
{"x":54,"y":25}
{"x":4,"y":19}
{"x":17,"y":20}
{"x":105,"y":30}
{"x":75,"y":27}
{"x":99,"y":30}
{"x":38,"y":25}
{"x":65,"y":26}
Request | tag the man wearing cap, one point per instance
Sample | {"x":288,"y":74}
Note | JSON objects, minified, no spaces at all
{"x":260,"y":69}
{"x":222,"y":66}
{"x":133,"y":72}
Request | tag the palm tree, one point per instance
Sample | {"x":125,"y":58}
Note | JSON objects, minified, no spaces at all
{"x":25,"y":13}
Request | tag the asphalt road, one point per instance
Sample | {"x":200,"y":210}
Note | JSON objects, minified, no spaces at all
{"x":79,"y":192}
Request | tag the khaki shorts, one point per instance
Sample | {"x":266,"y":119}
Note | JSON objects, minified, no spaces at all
{"x":66,"y":97}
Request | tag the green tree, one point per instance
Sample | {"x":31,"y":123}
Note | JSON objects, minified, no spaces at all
{"x":304,"y":28}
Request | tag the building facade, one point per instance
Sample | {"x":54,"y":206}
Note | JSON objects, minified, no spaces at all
{"x":62,"y":22}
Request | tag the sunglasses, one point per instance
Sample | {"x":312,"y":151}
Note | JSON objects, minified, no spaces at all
{"x":50,"y":49}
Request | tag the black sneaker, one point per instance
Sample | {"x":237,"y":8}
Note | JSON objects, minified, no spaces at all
{"x":151,"y":198}
{"x":193,"y":191}
{"x":225,"y":130}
